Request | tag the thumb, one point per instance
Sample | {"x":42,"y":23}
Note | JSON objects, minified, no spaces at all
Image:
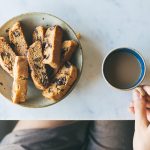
{"x":140,"y":110}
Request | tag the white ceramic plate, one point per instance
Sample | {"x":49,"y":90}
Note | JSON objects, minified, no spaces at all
{"x":29,"y":22}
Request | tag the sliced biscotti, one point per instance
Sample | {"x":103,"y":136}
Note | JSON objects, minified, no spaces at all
{"x":38,"y":70}
{"x":38,"y":34}
{"x":16,"y":36}
{"x":53,"y":42}
{"x":68,"y":48}
{"x":61,"y":83}
{"x":7,"y":56}
{"x":20,"y":73}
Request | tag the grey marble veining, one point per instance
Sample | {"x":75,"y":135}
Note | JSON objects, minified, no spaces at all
{"x":104,"y":25}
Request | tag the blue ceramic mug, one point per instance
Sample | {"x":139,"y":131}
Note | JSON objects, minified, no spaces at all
{"x":124,"y":68}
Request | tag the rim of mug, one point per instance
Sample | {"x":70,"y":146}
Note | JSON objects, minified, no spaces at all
{"x":143,"y":76}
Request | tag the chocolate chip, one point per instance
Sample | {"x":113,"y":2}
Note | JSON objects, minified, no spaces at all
{"x":44,"y":82}
{"x":66,"y":73}
{"x":1,"y":83}
{"x":37,"y":59}
{"x":23,"y":78}
{"x":44,"y":79}
{"x":3,"y":39}
{"x":46,"y":56}
{"x":60,"y":81}
{"x":43,"y":18}
{"x":7,"y":30}
{"x":37,"y":66}
{"x":48,"y":45}
{"x":67,"y":64}
{"x":58,"y":89}
{"x":43,"y":46}
{"x":16,"y":33}
{"x":9,"y":65}
{"x":12,"y":45}
{"x":62,"y":90}
{"x":64,"y":50}
{"x":44,"y":75}
{"x":4,"y":55}
{"x":39,"y":39}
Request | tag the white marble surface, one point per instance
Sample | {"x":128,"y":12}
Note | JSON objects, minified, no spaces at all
{"x":104,"y":24}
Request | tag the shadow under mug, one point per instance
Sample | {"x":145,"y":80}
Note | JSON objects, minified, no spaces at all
{"x":124,"y":68}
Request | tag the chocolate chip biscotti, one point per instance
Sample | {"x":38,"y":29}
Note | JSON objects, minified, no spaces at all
{"x":38,"y":70}
{"x":7,"y":56}
{"x":17,"y":37}
{"x":61,"y":83}
{"x":68,"y":48}
{"x":20,"y":72}
{"x":38,"y":34}
{"x":53,"y":42}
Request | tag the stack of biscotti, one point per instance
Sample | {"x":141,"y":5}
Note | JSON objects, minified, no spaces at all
{"x":47,"y":58}
{"x":57,"y":53}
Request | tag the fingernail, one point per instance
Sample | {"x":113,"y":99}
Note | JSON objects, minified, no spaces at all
{"x":136,"y":95}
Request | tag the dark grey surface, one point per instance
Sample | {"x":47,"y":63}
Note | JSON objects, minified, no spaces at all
{"x":111,"y":135}
{"x":68,"y":137}
{"x":6,"y":127}
{"x":97,"y":135}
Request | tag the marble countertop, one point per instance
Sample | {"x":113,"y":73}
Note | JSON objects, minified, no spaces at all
{"x":104,"y":25}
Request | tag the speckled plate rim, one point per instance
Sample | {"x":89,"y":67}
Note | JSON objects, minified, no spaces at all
{"x":136,"y":51}
{"x":80,"y":47}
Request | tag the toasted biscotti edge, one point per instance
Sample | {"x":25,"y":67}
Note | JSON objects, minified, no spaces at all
{"x":58,"y":93}
{"x":31,"y":60}
{"x":7,"y":56}
{"x":20,"y":73}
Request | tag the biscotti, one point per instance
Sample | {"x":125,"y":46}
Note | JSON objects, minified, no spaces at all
{"x":38,"y":34}
{"x":38,"y":70}
{"x":7,"y":56}
{"x":68,"y":48}
{"x":20,"y":73}
{"x":61,"y":83}
{"x":16,"y":36}
{"x":53,"y":43}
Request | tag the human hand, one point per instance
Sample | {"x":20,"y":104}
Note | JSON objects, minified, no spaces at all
{"x":145,"y":92}
{"x":140,"y":109}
